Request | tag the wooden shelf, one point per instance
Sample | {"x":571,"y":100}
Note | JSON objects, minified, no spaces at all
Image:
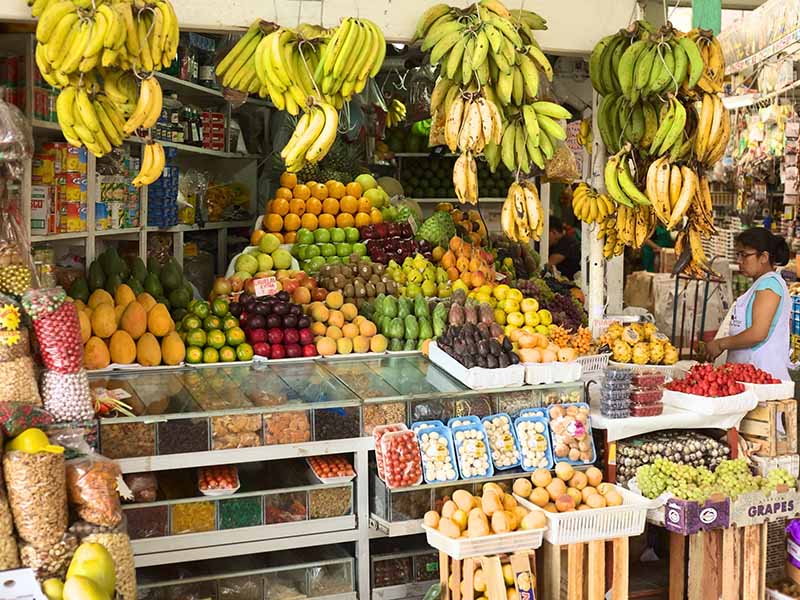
{"x":207,"y":227}
{"x":52,"y":237}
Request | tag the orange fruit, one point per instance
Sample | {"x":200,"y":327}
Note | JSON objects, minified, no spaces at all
{"x":309,"y":221}
{"x":291,"y":222}
{"x":297,"y":206}
{"x":327,"y":221}
{"x":349,"y":204}
{"x":269,"y":206}
{"x":319,"y":191}
{"x":330,"y":206}
{"x":364,"y":204}
{"x":280,"y":206}
{"x":376,"y":216}
{"x":301,"y":191}
{"x":288,"y":180}
{"x":289,"y":238}
{"x":362,"y":219}
{"x":313,"y":206}
{"x":345,"y":220}
{"x":311,"y":184}
{"x":335,"y":188}
{"x":354,"y":189}
{"x":279,"y":235}
{"x":256,"y":237}
{"x":285,"y":193}
{"x":273,"y":222}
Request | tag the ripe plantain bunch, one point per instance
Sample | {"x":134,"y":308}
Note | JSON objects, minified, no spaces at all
{"x":91,"y":50}
{"x":488,"y":54}
{"x":652,"y":82}
{"x":522,"y":217}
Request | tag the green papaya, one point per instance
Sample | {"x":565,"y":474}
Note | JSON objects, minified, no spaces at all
{"x":411,"y":344}
{"x":109,"y":260}
{"x":421,"y":307}
{"x":386,"y":324}
{"x":396,"y":345}
{"x":378,"y":305}
{"x":403,"y":307}
{"x":97,"y":278}
{"x":396,"y":328}
{"x":122,"y":268}
{"x":425,"y":328}
{"x":170,"y":278}
{"x":153,"y":266}
{"x":440,"y":311}
{"x":390,"y":307}
{"x":135,"y":285}
{"x":439,"y":324}
{"x":79,"y":290}
{"x":411,"y":327}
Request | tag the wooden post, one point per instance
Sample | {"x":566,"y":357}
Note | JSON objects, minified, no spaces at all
{"x":696,"y":572}
{"x":677,"y":566}
{"x":575,"y":556}
{"x":597,"y":579}
{"x":751,"y":558}
{"x":731,"y":563}
{"x":551,"y":572}
{"x":712,"y":564}
{"x":444,"y":575}
{"x":619,"y":585}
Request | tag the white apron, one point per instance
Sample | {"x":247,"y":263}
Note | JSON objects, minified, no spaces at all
{"x":773,"y":354}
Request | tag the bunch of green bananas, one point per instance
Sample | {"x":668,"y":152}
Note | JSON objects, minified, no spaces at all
{"x":396,"y":113}
{"x":530,"y":137}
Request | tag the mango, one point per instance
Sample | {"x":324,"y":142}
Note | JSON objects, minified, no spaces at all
{"x":53,"y":588}
{"x":95,"y":354}
{"x":100,"y":296}
{"x":104,"y":320}
{"x":86,"y":326}
{"x":93,"y":561}
{"x":159,"y":322}
{"x":172,"y":349}
{"x":134,"y":319}
{"x":146,"y":300}
{"x":122,"y":348}
{"x":83,"y":588}
{"x":148,"y":352}
{"x":124,"y":295}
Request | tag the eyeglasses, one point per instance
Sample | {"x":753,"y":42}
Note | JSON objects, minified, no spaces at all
{"x":742,"y":255}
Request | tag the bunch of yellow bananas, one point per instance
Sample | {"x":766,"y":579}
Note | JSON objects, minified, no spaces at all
{"x":94,"y":122}
{"x":713,"y":72}
{"x":396,"y":113}
{"x":619,"y":180}
{"x":713,"y":130}
{"x":152,"y":164}
{"x":590,"y":206}
{"x":148,"y":106}
{"x":472,"y":122}
{"x":465,"y":178}
{"x":677,"y":191}
{"x":522,"y":217}
{"x":312,"y":138}
{"x":585,"y":134}
{"x":692,"y":258}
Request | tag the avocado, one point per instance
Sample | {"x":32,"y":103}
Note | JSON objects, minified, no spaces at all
{"x":187,"y":287}
{"x":138,"y":270}
{"x":170,"y":278}
{"x":178,"y":313}
{"x":113,"y":281}
{"x":153,"y":286}
{"x":109,"y":260}
{"x":97,"y":278}
{"x":179,"y":298}
{"x":135,"y":285}
{"x":79,"y":290}
{"x":163,"y":300}
{"x":122,"y":268}
{"x":153,"y":265}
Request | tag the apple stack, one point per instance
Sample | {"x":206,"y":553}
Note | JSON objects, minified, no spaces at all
{"x":315,"y":249}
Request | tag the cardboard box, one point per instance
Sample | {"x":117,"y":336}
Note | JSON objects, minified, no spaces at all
{"x":40,"y":208}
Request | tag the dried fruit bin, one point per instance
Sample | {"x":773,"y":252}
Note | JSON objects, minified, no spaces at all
{"x":426,"y":567}
{"x":127,"y":438}
{"x":285,"y":506}
{"x":391,"y":569}
{"x":178,"y":436}
{"x":147,"y":521}
{"x":331,"y":579}
{"x":192,"y":516}
{"x":241,"y":511}
{"x":337,"y":423}
{"x":329,"y":502}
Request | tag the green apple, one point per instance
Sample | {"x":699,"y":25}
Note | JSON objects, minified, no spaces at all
{"x":300,"y":251}
{"x":322,"y":236}
{"x":343,"y":249}
{"x":327,"y":250}
{"x":334,"y":260}
{"x":366,"y":181}
{"x":313,"y":251}
{"x":315,"y":264}
{"x":269,"y":243}
{"x":375,"y":197}
{"x":282,"y":259}
{"x":247,"y":262}
{"x":337,"y":235}
{"x":304,"y":236}
{"x":351,"y":234}
{"x":359,"y":249}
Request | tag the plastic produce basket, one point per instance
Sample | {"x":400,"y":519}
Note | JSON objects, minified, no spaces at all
{"x":580,"y":526}
{"x":666,"y":370}
{"x":501,"y":543}
{"x":591,"y":364}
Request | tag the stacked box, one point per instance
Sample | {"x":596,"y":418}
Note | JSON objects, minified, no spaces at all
{"x":61,"y":170}
{"x":44,"y":98}
{"x":12,"y":80}
{"x":40,"y":208}
{"x":162,"y":195}
{"x":213,"y":130}
{"x":111,"y":203}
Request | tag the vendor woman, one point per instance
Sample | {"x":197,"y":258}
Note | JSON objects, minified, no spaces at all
{"x":759,"y":331}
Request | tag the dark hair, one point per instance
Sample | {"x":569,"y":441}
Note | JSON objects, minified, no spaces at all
{"x":763,"y":240}
{"x":556,"y":224}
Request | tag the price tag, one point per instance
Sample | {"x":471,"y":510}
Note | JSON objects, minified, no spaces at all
{"x":265,"y":286}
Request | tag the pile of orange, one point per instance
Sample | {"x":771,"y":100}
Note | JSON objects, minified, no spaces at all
{"x":313,"y":205}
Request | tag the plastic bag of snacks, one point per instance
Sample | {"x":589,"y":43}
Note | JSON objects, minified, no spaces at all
{"x":67,"y":395}
{"x":58,"y":331}
{"x":9,"y":553}
{"x":16,"y":267}
{"x":402,"y":466}
{"x":49,"y":560}
{"x":563,"y":166}
{"x":571,"y":433}
{"x":37,"y":493}
{"x":143,"y":486}
{"x":16,"y":141}
{"x":92,"y":489}
{"x":82,"y":529}
{"x":18,"y":382}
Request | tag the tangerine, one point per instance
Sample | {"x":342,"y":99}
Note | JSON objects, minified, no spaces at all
{"x":256,"y":237}
{"x":280,"y":206}
{"x":376,"y":216}
{"x":327,"y":221}
{"x":335,"y":188}
{"x":362,"y":219}
{"x":273,"y":222}
{"x":288,"y":180}
{"x":301,"y":191}
{"x":354,"y":189}
{"x":279,"y":235}
{"x":349,"y":204}
{"x":330,"y":206}
{"x":283,"y":192}
{"x":297,"y":206}
{"x":309,"y":221}
{"x":344,"y":220}
{"x":364,"y":204}
{"x":311,"y":184}
{"x":319,"y":191}
{"x":313,"y":206}
{"x":289,"y":238}
{"x":291,"y":222}
{"x":269,"y":206}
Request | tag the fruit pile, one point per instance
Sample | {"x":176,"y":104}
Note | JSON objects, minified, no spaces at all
{"x":493,"y":512}
{"x":212,"y":333}
{"x":641,"y":344}
{"x":313,"y":206}
{"x":569,"y":490}
{"x":663,"y":122}
{"x":513,"y":259}
{"x":339,"y":329}
{"x":393,"y":241}
{"x":565,"y":308}
{"x":438,"y":229}
{"x":407,"y":322}
{"x":358,"y":281}
{"x":537,"y":348}
{"x":705,"y":380}
{"x":417,"y":276}
{"x":126,"y":329}
{"x":274,"y":326}
{"x":475,"y":346}
{"x":322,"y":247}
{"x":749,"y":373}
{"x":472,"y":265}
{"x":469,"y":223}
{"x":730,"y":478}
{"x":266,"y":256}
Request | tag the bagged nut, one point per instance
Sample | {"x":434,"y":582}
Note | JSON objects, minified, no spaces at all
{"x":37,"y":493}
{"x":92,"y":489}
{"x":67,"y":395}
{"x":6,"y":523}
{"x":49,"y":560}
{"x":472,"y":450}
{"x":502,"y":441}
{"x":14,"y":344}
{"x":119,"y":547}
{"x":9,"y":555}
{"x":18,"y":382}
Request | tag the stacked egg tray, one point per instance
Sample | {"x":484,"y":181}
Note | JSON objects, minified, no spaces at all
{"x":645,"y":396}
{"x":615,"y":393}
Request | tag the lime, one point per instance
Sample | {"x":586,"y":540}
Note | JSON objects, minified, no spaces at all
{"x":235,"y":336}
{"x":220,"y":307}
{"x":196,"y":337}
{"x":201,"y":309}
{"x":215,"y":338}
{"x":190,"y":322}
{"x":244,"y":352}
{"x":227,"y":354}
{"x":212,"y":322}
{"x":210,"y":355}
{"x":230,"y":322}
{"x":194,"y":355}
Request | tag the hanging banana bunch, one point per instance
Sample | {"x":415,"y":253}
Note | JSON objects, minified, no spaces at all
{"x":396,"y":113}
{"x":590,"y":206}
{"x":522,"y":216}
{"x":313,"y":136}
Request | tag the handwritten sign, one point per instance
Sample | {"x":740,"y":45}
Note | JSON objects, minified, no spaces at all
{"x":265,"y":286}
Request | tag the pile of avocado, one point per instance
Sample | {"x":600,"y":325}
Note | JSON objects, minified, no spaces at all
{"x":166,"y":283}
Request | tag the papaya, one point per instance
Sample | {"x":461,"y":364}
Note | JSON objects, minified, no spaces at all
{"x":124,"y":295}
{"x":122,"y":348}
{"x":86,"y":326}
{"x":134,"y":320}
{"x":146,"y":300}
{"x":159,"y":323}
{"x":100,"y":296}
{"x":172,"y":349}
{"x":95,"y":354}
{"x":148,"y":352}
{"x":118,"y":310}
{"x":104,"y":320}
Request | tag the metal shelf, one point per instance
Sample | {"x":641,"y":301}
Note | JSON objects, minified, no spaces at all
{"x":49,"y":125}
{"x":112,"y":232}
{"x":202,"y":90}
{"x":424,"y":155}
{"x":456,"y":201}
{"x":187,"y":149}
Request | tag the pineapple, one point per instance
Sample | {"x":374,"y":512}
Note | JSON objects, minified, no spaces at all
{"x":670,"y":354}
{"x":656,"y":353}
{"x":660,"y":337}
{"x":614,"y":331}
{"x":649,"y":330}
{"x":631,"y":335}
{"x":621,"y":351}
{"x":641,"y":353}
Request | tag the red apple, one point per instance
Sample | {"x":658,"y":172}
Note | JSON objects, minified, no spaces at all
{"x":290,"y":285}
{"x":261,"y":349}
{"x":257,"y":336}
{"x":306,"y":337}
{"x":250,"y":286}
{"x":311,"y":283}
{"x":309,"y":350}
{"x":291,"y":336}
{"x":319,"y":294}
{"x":275,"y":335}
{"x":277,"y":351}
{"x":236,"y":284}
{"x":293,"y":351}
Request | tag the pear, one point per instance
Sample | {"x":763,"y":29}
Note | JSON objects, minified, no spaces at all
{"x":93,"y":562}
{"x":83,"y":588}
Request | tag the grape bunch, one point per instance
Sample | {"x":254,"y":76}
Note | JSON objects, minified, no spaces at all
{"x":776,"y":478}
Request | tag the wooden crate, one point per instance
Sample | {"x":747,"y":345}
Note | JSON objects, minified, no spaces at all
{"x":458,"y":577}
{"x":773,"y":427}
{"x":583,"y":575}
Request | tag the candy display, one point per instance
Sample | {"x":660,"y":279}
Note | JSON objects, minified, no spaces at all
{"x":193,"y":517}
{"x":57,"y":328}
{"x":377,"y":435}
{"x":67,"y":395}
{"x":331,"y":467}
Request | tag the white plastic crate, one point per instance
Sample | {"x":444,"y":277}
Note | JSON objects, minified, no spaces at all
{"x":487,"y":545}
{"x":790,"y":462}
{"x":592,"y":364}
{"x":580,"y":526}
{"x":665,"y":370}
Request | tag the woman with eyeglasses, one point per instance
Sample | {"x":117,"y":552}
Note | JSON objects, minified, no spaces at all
{"x":759,"y":331}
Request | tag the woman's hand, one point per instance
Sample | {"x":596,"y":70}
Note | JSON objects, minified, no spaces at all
{"x":714,"y":349}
